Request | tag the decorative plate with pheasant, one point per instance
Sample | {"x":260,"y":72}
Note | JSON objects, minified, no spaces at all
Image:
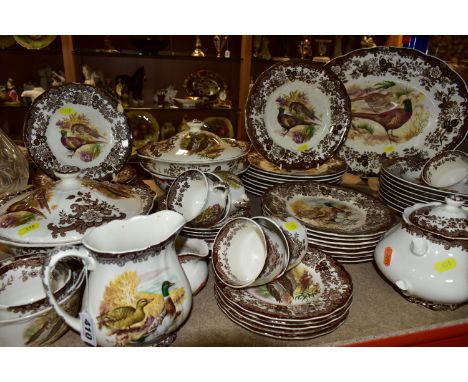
{"x":77,"y":125}
{"x":404,"y":103}
{"x":297,"y":114}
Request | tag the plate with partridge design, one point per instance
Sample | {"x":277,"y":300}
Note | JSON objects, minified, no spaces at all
{"x":403,"y":103}
{"x":297,"y":114}
{"x":77,"y":125}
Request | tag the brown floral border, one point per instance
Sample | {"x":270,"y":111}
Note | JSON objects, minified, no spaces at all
{"x":432,"y":74}
{"x":36,"y":123}
{"x":315,"y":75}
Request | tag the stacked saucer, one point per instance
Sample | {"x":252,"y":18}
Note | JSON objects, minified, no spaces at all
{"x":341,"y":222}
{"x":310,"y":300}
{"x":263,"y":174}
{"x":401,"y":185}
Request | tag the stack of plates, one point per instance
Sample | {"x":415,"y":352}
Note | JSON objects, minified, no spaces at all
{"x":401,"y":186}
{"x":263,"y":174}
{"x":343,"y":223}
{"x":309,"y":301}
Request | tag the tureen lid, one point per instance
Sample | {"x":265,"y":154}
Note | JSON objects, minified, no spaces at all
{"x":62,"y":212}
{"x":194,"y":145}
{"x":449,"y":219}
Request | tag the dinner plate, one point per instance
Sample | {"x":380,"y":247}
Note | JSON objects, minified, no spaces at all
{"x":297,"y":114}
{"x":329,"y":208}
{"x":34,"y":42}
{"x":77,"y":125}
{"x":317,"y":287}
{"x":143,"y":126}
{"x":331,"y":167}
{"x":403,"y":103}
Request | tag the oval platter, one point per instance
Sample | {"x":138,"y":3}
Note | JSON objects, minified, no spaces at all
{"x":404,"y":103}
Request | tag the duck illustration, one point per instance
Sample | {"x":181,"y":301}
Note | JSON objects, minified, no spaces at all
{"x":288,"y":121}
{"x":392,"y":119}
{"x":125,"y":316}
{"x":74,"y":143}
{"x":298,"y":108}
{"x":79,"y":128}
{"x":169,"y":305}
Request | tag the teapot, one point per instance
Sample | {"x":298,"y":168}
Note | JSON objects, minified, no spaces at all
{"x":137,"y":293}
{"x":426,"y":256}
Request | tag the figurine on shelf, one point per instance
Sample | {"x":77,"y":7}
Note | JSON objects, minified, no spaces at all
{"x":30,"y":93}
{"x":171,"y":93}
{"x":265,"y":50}
{"x":93,"y":77}
{"x":322,"y":51}
{"x":305,"y":47}
{"x":57,"y":78}
{"x":223,"y":101}
{"x":134,"y":84}
{"x":367,"y":42}
{"x":45,"y":74}
{"x":12,"y":97}
{"x":121,"y":91}
{"x":160,"y":98}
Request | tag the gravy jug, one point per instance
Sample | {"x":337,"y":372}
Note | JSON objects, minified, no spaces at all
{"x":137,"y":293}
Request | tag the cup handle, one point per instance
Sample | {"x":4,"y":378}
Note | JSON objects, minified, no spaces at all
{"x":224,"y":187}
{"x":52,"y":259}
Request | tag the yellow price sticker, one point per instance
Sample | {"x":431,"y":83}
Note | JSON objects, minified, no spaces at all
{"x":290,"y":226}
{"x":303,"y":147}
{"x":66,"y":110}
{"x":389,"y":149}
{"x":23,"y":231}
{"x":445,"y":265}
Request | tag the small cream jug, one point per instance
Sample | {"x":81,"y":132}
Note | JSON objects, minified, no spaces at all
{"x":137,"y":293}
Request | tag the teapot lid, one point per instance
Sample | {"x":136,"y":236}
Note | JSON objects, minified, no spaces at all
{"x":194,"y":145}
{"x":63,"y":211}
{"x":449,"y":219}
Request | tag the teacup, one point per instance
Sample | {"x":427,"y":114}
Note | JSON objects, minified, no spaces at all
{"x":202,"y":201}
{"x":295,"y":234}
{"x":246,"y":253}
{"x":448,"y":169}
{"x":239,"y":203}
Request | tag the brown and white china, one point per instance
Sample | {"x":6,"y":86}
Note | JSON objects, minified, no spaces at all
{"x":448,"y":169}
{"x":246,"y":253}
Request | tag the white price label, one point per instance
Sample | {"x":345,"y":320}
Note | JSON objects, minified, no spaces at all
{"x":88,"y":332}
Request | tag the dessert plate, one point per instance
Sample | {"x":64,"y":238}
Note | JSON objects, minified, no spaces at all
{"x":403,"y":103}
{"x":297,"y":114}
{"x":77,"y":125}
{"x":317,"y":287}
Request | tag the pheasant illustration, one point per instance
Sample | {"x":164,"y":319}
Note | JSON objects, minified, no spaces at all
{"x":299,"y":109}
{"x":377,"y":101}
{"x":125,"y":316}
{"x":79,"y":128}
{"x":391,"y":119}
{"x":288,"y":121}
{"x":74,"y":143}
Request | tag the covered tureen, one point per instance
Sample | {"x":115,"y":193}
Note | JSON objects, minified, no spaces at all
{"x":61,"y":213}
{"x":426,"y":256}
{"x":195,"y":148}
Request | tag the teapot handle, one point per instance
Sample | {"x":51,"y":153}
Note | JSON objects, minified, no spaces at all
{"x":49,"y":264}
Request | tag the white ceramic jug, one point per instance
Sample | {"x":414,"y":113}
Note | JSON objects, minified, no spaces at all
{"x":137,"y":293}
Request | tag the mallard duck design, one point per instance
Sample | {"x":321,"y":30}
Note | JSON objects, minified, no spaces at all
{"x":125,"y":316}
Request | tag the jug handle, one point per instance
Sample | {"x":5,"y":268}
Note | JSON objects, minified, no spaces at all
{"x":49,"y":264}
